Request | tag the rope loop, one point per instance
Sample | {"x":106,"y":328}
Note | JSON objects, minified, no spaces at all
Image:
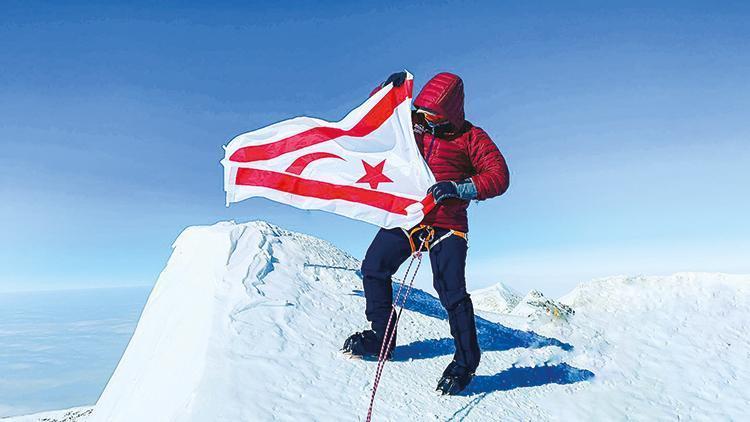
{"x":398,"y":307}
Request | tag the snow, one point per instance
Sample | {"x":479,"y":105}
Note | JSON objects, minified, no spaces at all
{"x":497,"y":298}
{"x":532,"y":310}
{"x":246,"y":322}
{"x":536,"y":307}
{"x":666,"y":346}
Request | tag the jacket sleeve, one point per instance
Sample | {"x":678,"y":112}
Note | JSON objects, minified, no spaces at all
{"x":492,"y":177}
{"x":376,"y":89}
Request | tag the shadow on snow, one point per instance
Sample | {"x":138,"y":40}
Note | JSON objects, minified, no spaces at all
{"x":516,"y":377}
{"x":529,"y":376}
{"x":493,"y":337}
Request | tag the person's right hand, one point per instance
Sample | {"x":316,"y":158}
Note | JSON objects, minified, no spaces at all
{"x":397,"y":78}
{"x":444,"y":190}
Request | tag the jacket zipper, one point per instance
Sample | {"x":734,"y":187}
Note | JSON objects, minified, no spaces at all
{"x":432,"y":144}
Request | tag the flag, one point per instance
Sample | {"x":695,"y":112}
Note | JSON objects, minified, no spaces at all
{"x":366,"y":166}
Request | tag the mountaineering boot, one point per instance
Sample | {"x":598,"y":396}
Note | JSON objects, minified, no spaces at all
{"x":366,"y":345}
{"x":454,"y":380}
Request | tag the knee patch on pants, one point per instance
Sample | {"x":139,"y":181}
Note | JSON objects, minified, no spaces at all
{"x":463,"y":302}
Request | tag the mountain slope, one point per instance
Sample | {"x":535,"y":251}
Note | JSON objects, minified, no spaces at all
{"x":246,"y":322}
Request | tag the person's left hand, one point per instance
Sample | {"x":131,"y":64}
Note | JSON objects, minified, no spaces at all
{"x":397,"y":79}
{"x":443,"y":190}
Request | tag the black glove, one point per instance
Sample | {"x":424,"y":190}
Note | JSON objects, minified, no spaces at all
{"x":397,"y":78}
{"x":443,"y":190}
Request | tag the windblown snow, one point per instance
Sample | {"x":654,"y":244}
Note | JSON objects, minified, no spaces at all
{"x":246,"y":321}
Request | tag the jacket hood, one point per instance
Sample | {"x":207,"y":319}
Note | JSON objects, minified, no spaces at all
{"x":444,"y":94}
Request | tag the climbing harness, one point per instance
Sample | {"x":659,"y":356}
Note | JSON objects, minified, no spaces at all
{"x":432,"y":242}
{"x":426,"y":241}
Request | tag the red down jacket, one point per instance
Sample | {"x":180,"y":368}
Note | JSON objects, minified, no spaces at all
{"x":465,"y":152}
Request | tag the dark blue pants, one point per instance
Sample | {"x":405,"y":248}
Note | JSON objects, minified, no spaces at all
{"x":388,"y":251}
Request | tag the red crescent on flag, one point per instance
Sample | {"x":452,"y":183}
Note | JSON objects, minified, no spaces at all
{"x":300,"y":163}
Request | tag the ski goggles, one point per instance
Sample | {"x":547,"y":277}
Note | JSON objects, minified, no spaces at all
{"x":431,"y":117}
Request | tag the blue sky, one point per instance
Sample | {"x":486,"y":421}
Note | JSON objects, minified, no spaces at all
{"x":625,"y":126}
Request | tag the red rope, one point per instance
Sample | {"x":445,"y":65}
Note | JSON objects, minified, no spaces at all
{"x":389,"y":333}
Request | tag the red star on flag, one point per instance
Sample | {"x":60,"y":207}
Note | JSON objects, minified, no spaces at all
{"x":374,"y":174}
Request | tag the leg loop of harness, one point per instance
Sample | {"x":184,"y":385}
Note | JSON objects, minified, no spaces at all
{"x":426,"y":234}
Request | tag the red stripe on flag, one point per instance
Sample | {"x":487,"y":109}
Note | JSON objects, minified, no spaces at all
{"x":322,"y":190}
{"x":428,"y":203}
{"x":300,"y":163}
{"x":374,"y":118}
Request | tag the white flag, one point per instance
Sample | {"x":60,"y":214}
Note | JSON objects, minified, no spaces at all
{"x":366,"y":166}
